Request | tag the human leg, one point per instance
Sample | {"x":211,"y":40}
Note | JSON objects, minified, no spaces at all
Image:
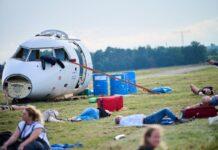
{"x":36,"y":145}
{"x":194,"y":89}
{"x":14,"y":146}
{"x":158,"y":116}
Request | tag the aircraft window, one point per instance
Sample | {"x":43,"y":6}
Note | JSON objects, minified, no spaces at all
{"x":46,"y":52}
{"x":61,"y":54}
{"x":34,"y":55}
{"x":37,"y":53}
{"x":22,"y":54}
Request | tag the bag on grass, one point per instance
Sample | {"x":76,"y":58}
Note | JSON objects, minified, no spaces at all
{"x":162,"y":89}
{"x":200,"y":112}
{"x":4,"y":136}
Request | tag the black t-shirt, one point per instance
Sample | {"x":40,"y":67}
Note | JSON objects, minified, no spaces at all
{"x":103,"y":113}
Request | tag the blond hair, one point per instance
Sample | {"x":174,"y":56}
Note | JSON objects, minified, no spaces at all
{"x":35,"y":114}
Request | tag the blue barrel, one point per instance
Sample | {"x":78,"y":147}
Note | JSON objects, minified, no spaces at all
{"x":100,"y":84}
{"x":131,"y":77}
{"x":117,"y":86}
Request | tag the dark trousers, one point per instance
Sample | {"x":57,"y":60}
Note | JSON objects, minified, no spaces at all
{"x":157,"y":117}
{"x":35,"y":145}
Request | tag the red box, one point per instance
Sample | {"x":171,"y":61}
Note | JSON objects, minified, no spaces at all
{"x":111,"y":103}
{"x":200,"y":112}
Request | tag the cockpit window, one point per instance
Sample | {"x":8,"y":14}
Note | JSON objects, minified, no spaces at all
{"x":61,"y":54}
{"x":22,"y":53}
{"x":37,"y":53}
{"x":46,"y":52}
{"x":34,"y":55}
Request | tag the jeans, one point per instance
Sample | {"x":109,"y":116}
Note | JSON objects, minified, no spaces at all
{"x":89,"y":114}
{"x":157,"y":117}
{"x":35,"y":145}
{"x":214,"y":101}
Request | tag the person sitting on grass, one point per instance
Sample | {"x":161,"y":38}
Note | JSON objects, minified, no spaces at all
{"x":212,"y":62}
{"x":204,"y":91}
{"x":30,"y":133}
{"x":205,"y":102}
{"x":152,"y":138}
{"x":91,"y":114}
{"x":141,"y":119}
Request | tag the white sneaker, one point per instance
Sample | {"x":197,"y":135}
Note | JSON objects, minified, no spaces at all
{"x":212,"y":120}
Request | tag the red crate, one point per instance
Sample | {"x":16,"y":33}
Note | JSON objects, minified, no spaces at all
{"x":111,"y":103}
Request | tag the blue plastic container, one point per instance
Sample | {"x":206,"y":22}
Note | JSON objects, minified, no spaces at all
{"x":100,"y":84}
{"x":117,"y":86}
{"x":131,"y":77}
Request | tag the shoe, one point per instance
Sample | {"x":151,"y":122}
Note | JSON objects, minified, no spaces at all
{"x":182,"y":120}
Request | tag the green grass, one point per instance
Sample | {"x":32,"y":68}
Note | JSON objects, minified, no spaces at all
{"x":98,"y":135}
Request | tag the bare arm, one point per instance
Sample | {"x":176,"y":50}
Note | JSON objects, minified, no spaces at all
{"x":32,"y":137}
{"x":13,"y":138}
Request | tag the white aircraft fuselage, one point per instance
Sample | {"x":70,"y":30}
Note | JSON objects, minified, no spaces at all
{"x":26,"y":76}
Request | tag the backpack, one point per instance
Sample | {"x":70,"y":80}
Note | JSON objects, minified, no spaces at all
{"x":4,"y":136}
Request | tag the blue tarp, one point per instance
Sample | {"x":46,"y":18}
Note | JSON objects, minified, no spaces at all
{"x":162,"y":89}
{"x":65,"y":146}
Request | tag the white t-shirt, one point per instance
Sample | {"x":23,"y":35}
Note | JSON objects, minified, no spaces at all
{"x":31,"y":127}
{"x":132,"y":120}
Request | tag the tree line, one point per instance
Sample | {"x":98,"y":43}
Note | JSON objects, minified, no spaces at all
{"x":118,"y":59}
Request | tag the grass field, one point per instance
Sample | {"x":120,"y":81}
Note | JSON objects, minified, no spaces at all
{"x":98,"y":135}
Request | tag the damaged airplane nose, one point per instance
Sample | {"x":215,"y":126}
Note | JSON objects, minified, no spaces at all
{"x":41,"y":67}
{"x":17,"y":86}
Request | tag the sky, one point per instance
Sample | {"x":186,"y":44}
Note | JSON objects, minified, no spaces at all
{"x":115,"y":23}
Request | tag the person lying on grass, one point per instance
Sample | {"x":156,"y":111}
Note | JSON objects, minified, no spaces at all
{"x":152,"y":138}
{"x":206,"y":101}
{"x":154,"y":118}
{"x":91,"y":114}
{"x":30,"y":133}
{"x":11,"y":107}
{"x":48,"y":115}
{"x":212,"y":62}
{"x":204,"y":91}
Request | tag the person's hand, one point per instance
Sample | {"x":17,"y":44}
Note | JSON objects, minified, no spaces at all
{"x":21,"y":147}
{"x":4,"y":147}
